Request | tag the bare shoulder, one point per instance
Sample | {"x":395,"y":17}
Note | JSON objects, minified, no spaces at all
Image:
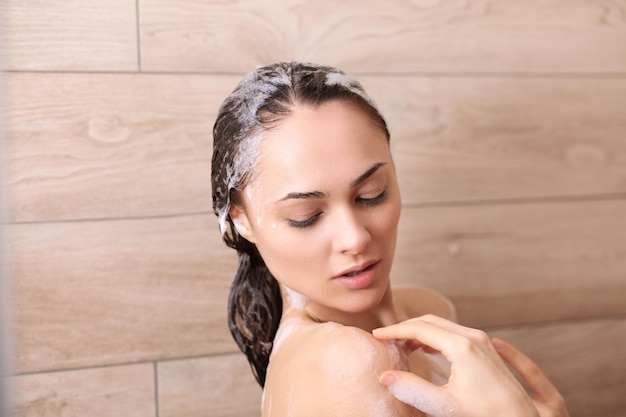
{"x":328,"y":370}
{"x":414,"y":301}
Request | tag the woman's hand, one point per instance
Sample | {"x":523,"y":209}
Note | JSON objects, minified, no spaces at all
{"x":547,"y":399}
{"x":480,"y":383}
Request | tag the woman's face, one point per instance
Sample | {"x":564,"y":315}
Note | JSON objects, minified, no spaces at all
{"x":323,"y":207}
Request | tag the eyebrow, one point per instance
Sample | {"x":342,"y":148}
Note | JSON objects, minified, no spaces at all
{"x":318,"y":194}
{"x":363,"y":177}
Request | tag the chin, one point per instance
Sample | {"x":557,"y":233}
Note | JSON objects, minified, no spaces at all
{"x":363,"y":301}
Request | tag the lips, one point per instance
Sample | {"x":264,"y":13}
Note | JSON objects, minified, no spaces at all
{"x":351,"y":274}
{"x":359,"y":276}
{"x":358,"y":269}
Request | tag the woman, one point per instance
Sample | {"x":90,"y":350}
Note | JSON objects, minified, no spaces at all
{"x":305,"y":190}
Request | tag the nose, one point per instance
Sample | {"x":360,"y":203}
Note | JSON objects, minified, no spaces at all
{"x":350,"y":234}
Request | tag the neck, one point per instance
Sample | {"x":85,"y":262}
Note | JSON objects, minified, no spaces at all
{"x":383,"y":314}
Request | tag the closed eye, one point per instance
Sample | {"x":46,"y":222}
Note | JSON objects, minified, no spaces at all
{"x":366,"y":201}
{"x":301,"y":224}
{"x":373,"y":200}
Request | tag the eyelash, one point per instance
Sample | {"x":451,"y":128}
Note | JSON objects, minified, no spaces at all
{"x":305,"y":223}
{"x":365,"y":201}
{"x":374,"y":200}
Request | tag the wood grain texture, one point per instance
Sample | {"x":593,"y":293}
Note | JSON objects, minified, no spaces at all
{"x":73,"y":35}
{"x":100,"y":392}
{"x":398,"y":36}
{"x":460,"y":139}
{"x":86,"y":146}
{"x":518,"y":263}
{"x":99,"y":293}
{"x":215,"y":386}
{"x":586,"y":360}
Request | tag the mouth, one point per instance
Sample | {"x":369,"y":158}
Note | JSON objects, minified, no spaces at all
{"x":358,"y":277}
{"x":359,"y":269}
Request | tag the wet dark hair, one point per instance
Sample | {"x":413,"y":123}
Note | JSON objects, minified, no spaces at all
{"x":262,"y":99}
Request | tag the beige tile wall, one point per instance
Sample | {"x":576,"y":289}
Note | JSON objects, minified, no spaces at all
{"x":509,"y":134}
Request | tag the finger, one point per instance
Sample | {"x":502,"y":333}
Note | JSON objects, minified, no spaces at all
{"x":419,"y":393}
{"x":537,"y":381}
{"x":404,"y":329}
{"x":450,"y":334}
{"x":412,"y":345}
{"x":390,"y":332}
{"x":469,"y":332}
{"x":450,"y":344}
{"x":416,"y":330}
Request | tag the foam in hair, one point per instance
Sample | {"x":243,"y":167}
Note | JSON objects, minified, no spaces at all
{"x":253,"y":93}
{"x":350,"y":83}
{"x":247,"y":160}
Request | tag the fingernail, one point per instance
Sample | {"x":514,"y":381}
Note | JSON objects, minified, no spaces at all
{"x":376,"y":331}
{"x":498,"y":343}
{"x":387,"y":379}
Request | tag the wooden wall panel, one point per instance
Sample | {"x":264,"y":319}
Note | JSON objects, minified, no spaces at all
{"x":586,"y":360}
{"x":518,"y":263}
{"x":496,"y":108}
{"x":72,"y":35}
{"x":399,"y":36}
{"x":110,"y":292}
{"x":216,"y":386}
{"x":464,"y":139}
{"x":85,"y":146}
{"x":104,"y":146}
{"x":99,"y":392}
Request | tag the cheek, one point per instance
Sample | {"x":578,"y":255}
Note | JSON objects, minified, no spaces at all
{"x":387,"y":224}
{"x":289,"y":256}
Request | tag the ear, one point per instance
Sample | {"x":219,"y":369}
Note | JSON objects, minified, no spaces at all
{"x":241,"y":222}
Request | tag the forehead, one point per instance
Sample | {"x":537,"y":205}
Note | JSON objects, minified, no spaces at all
{"x":336,"y":140}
